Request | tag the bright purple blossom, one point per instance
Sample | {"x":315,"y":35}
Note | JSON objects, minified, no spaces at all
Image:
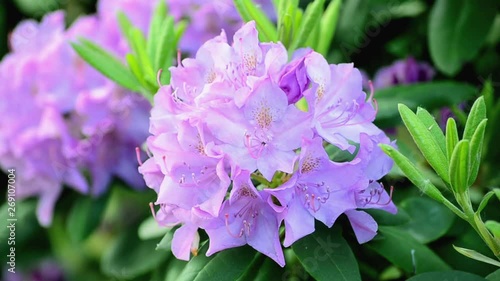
{"x":233,"y":155}
{"x":62,"y":118}
{"x":406,"y":71}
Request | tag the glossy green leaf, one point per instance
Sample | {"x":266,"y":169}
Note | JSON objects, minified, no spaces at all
{"x":149,"y":229}
{"x":227,"y":265}
{"x":457,"y":29}
{"x":477,"y":115}
{"x":287,"y":15}
{"x":311,"y":19}
{"x":401,"y":249}
{"x":497,"y":192}
{"x":412,"y":173}
{"x":107,"y":64}
{"x":269,"y":270}
{"x":430,"y":95}
{"x":385,"y":218}
{"x":459,"y":167}
{"x":129,"y":257}
{"x":451,"y":137}
{"x":426,"y":143}
{"x":165,"y":52}
{"x":477,"y":256}
{"x":494,"y":276}
{"x":432,"y":126}
{"x":493,"y":227}
{"x":326,"y":255}
{"x":328,"y":26}
{"x":429,"y":221}
{"x":85,"y":216}
{"x":476,"y":149}
{"x":447,"y":275}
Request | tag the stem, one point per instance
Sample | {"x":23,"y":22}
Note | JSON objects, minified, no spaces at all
{"x":476,"y":223}
{"x":260,"y":179}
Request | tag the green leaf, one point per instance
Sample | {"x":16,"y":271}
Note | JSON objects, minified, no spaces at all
{"x":126,"y":27}
{"x":477,"y":115}
{"x":459,"y":167}
{"x":457,"y":30}
{"x":451,"y":136}
{"x":495,"y":276}
{"x":385,"y":218}
{"x":166,"y":242}
{"x":413,"y":174}
{"x":497,"y":192}
{"x":430,"y":95}
{"x":264,"y":24}
{"x":476,"y":256}
{"x":85,"y":216}
{"x":107,"y":64}
{"x":328,"y":26}
{"x":430,"y":123}
{"x":129,"y":257}
{"x":269,"y":270}
{"x":484,"y":202}
{"x":430,"y":220}
{"x":475,"y":153}
{"x":227,"y":265}
{"x":401,"y":249}
{"x":425,"y":142}
{"x":493,"y":227}
{"x":149,"y":229}
{"x":310,"y":20}
{"x":288,"y":12}
{"x":155,"y":31}
{"x":447,"y":275}
{"x":165,"y":52}
{"x":326,"y":255}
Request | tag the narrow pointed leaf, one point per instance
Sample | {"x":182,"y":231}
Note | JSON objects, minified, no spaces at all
{"x":264,"y":24}
{"x":310,"y":20}
{"x":425,"y":142}
{"x":149,"y":229}
{"x":126,"y":27}
{"x":493,"y":227}
{"x":107,"y":64}
{"x":413,"y":174}
{"x":459,"y":167}
{"x":476,"y":256}
{"x":476,"y":115}
{"x":165,"y":50}
{"x":328,"y":26}
{"x":327,"y":256}
{"x":475,"y":153}
{"x":494,"y":276}
{"x":484,"y":202}
{"x":451,"y":136}
{"x":428,"y":120}
{"x":155,"y":31}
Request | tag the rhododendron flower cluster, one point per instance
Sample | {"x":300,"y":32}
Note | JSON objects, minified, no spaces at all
{"x":234,"y":155}
{"x":61,"y":118}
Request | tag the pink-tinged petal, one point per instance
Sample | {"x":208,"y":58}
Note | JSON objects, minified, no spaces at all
{"x":298,"y":222}
{"x":295,"y":126}
{"x":183,"y":241}
{"x":318,"y":69}
{"x":364,"y":226}
{"x":152,"y":174}
{"x":267,"y":104}
{"x":265,"y":237}
{"x":338,"y":203}
{"x":275,"y":160}
{"x":46,"y":203}
{"x":246,"y":45}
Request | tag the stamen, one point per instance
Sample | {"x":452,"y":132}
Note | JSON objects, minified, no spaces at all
{"x":151,"y":206}
{"x":138,"y":155}
{"x":226,"y":216}
{"x":179,"y":63}
{"x":158,"y":76}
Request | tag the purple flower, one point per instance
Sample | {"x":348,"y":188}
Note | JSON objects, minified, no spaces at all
{"x":406,"y":71}
{"x":67,"y":118}
{"x":232,"y":154}
{"x":246,"y":218}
